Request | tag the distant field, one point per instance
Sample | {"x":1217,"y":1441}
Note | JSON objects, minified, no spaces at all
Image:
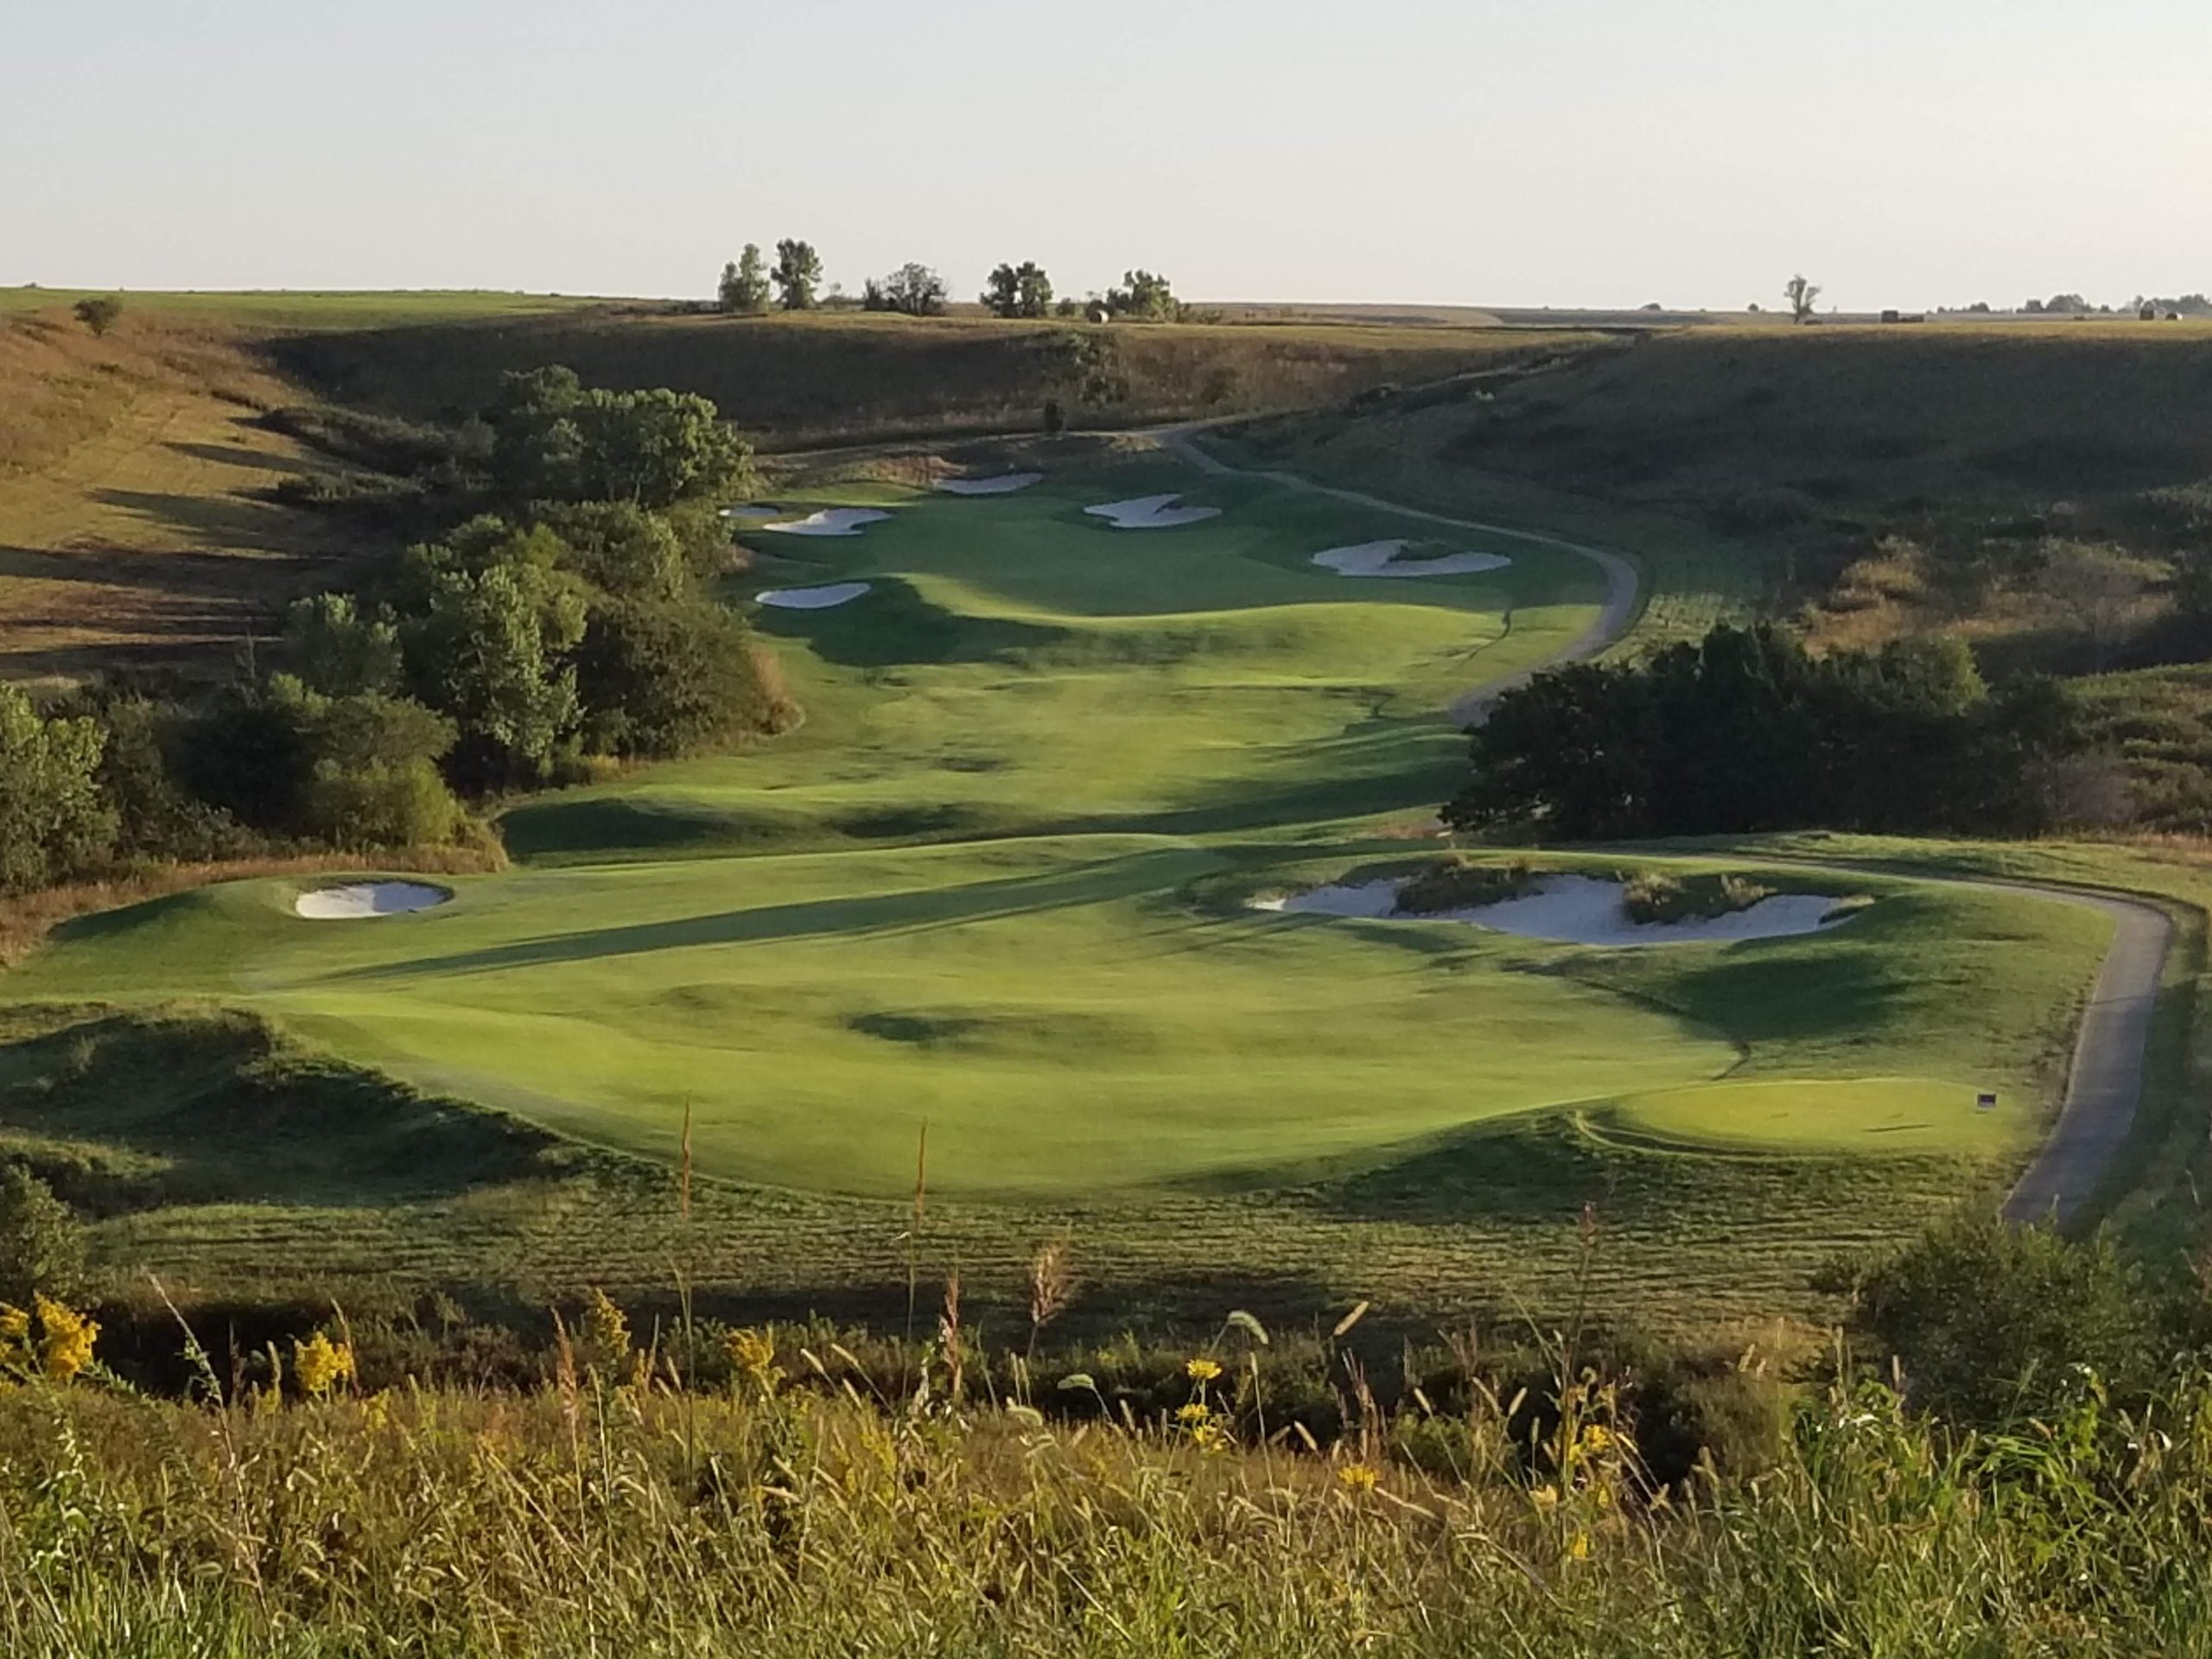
{"x":290,"y":308}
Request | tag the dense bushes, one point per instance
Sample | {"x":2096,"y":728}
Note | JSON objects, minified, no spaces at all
{"x":559,"y":608}
{"x":1745,"y":730}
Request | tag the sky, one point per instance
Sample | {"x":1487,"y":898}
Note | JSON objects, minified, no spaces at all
{"x":1694,"y":152}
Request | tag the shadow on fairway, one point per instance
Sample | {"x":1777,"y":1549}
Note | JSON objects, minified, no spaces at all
{"x":917,"y":911}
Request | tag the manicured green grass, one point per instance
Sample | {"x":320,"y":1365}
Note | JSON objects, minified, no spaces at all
{"x":1000,"y":883}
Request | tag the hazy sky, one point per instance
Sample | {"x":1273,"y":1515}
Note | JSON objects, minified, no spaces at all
{"x":1579,"y":152}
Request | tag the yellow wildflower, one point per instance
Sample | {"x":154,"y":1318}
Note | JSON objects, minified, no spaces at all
{"x":606,"y":1333}
{"x":1202,"y":1369}
{"x":1197,"y":1412}
{"x":66,"y":1339}
{"x":1596,"y":1438}
{"x":1578,"y":1547}
{"x":1356,"y":1478}
{"x":1210,"y":1437}
{"x":753,"y":1356}
{"x":320,"y":1364}
{"x":1546,"y":1497}
{"x":15,"y":1336}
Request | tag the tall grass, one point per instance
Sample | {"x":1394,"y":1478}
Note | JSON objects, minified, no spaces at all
{"x":616,"y":1513}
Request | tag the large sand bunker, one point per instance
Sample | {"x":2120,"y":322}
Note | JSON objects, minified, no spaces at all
{"x":830,"y":521}
{"x":1151,"y":513}
{"x":1384,"y":559}
{"x":359,"y":899}
{"x":1004,"y":484}
{"x":812,"y":599}
{"x":1577,"y":910}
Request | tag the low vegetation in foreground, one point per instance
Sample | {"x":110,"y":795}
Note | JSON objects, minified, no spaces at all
{"x":701,"y":1490}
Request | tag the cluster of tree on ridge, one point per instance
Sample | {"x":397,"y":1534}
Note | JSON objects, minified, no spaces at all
{"x":751,"y":287}
{"x":557,"y":610}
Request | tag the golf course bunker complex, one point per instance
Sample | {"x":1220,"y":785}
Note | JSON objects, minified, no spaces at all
{"x":829,"y":521}
{"x":1578,"y":910}
{"x":1151,"y":513}
{"x":1387,"y":559}
{"x":360,"y":901}
{"x":813,"y":598}
{"x":1004,"y":484}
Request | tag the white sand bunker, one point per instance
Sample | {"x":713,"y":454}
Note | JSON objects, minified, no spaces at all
{"x":813,"y":598}
{"x":1383,"y":559}
{"x":357,"y":899}
{"x":830,"y":521}
{"x":1578,"y":910}
{"x":1004,"y":484}
{"x":1151,"y":513}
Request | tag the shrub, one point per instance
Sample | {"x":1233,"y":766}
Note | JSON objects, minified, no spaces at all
{"x":41,"y":1244}
{"x":99,"y":312}
{"x":54,"y":820}
{"x":1660,"y":896}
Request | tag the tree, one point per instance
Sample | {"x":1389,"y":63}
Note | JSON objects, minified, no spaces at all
{"x":371,"y":767}
{"x":489,"y":649}
{"x":797,"y":275}
{"x":913,"y":289}
{"x":339,"y":652}
{"x":661,"y":676}
{"x":99,"y":312}
{"x":54,"y":819}
{"x":744,"y":290}
{"x":1800,"y":295}
{"x":42,"y":1242}
{"x":554,"y":441}
{"x":1144,"y":297}
{"x":1022,"y":290}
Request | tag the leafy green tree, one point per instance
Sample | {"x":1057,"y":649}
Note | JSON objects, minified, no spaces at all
{"x":42,"y":1242}
{"x":660,"y":678}
{"x":338,"y":650}
{"x":489,"y":649}
{"x":99,"y":312}
{"x":536,"y":445}
{"x":371,"y":762}
{"x":1145,"y":296}
{"x":744,"y":290}
{"x":913,"y":289}
{"x":554,"y":441}
{"x":1022,"y":290}
{"x":621,"y":548}
{"x":797,"y":275}
{"x":54,"y":822}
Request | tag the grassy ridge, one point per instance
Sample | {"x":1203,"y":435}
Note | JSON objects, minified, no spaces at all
{"x":811,"y":379}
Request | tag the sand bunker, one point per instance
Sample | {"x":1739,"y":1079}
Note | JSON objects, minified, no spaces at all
{"x":1381,"y":559}
{"x":1578,"y":910}
{"x":830,"y":521}
{"x":357,"y":899}
{"x":813,"y":598}
{"x":1151,"y":513}
{"x":1004,"y":484}
{"x":754,"y":510}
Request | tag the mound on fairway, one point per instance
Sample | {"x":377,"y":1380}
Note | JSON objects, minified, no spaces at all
{"x":1003,"y":484}
{"x":812,"y":599}
{"x":359,"y":899}
{"x":1385,"y":559}
{"x":1577,"y":910}
{"x":829,"y":521}
{"x":1151,"y":513}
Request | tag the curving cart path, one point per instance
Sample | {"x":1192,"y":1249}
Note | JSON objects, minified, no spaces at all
{"x":2104,"y":1084}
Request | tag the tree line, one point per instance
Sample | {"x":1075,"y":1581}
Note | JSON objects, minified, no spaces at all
{"x":1745,"y":730}
{"x":750,"y":286}
{"x":555,"y":610}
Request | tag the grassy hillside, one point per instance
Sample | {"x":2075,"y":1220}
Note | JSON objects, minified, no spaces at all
{"x":295,"y":309}
{"x":825,"y":377}
{"x":132,"y":526}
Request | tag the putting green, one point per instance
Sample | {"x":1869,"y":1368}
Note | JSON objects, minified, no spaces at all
{"x":984,"y":889}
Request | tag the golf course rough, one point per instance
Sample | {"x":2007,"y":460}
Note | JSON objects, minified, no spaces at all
{"x":988,"y":885}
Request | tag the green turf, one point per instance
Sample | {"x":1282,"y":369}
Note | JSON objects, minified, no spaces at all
{"x":1000,"y":882}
